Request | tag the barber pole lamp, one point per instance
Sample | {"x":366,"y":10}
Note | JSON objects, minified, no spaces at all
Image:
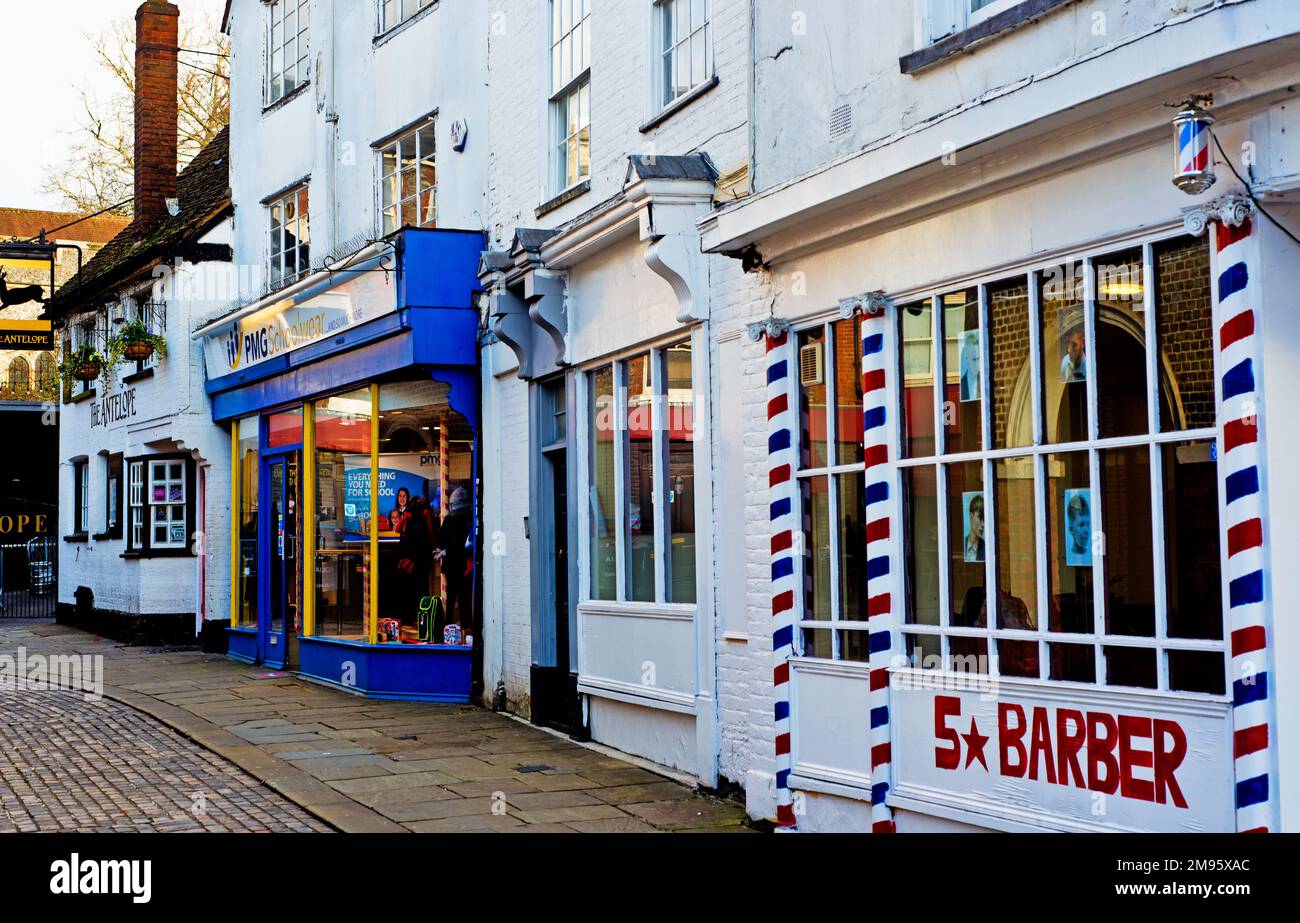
{"x":1193,"y":161}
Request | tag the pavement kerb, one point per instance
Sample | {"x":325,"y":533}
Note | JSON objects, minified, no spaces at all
{"x":309,"y":793}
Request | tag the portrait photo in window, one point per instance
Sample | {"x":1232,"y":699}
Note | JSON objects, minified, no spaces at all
{"x":1078,"y":527}
{"x":972,"y":520}
{"x":970,"y":366}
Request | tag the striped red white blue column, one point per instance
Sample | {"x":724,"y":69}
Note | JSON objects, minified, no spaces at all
{"x":1237,"y":326}
{"x":880,"y":608}
{"x":781,"y":484}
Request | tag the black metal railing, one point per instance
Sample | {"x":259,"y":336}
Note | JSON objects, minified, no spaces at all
{"x":29,"y":579}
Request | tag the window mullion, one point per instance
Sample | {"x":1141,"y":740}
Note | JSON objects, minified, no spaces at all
{"x":1040,"y":561}
{"x":991,"y":506}
{"x":659,"y":470}
{"x":621,"y":551}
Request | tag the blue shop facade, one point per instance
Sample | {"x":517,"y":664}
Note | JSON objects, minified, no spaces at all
{"x":352,"y":402}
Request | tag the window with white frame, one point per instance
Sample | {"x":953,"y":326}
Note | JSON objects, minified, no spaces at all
{"x":1060,"y":506}
{"x":831,"y":481}
{"x":135,"y":504}
{"x":945,"y":17}
{"x":395,"y":12}
{"x":167,"y":501}
{"x":288,"y":245}
{"x":685,"y":47}
{"x":570,"y":100}
{"x":287,"y":47}
{"x":81,"y":497}
{"x":408,"y":180}
{"x":641,"y":476}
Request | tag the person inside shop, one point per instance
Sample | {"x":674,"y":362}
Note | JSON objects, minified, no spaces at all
{"x":408,"y":520}
{"x":451,"y":552}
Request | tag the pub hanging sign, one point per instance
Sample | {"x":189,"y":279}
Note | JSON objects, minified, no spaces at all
{"x":26,"y":334}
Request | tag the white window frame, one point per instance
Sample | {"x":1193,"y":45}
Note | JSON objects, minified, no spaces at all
{"x":169,"y":521}
{"x":135,"y":504}
{"x":400,"y":11}
{"x":831,"y":471}
{"x":673,"y":42}
{"x":942,"y":18}
{"x":280,"y":268}
{"x":1155,"y":439}
{"x":280,"y":47}
{"x":81,"y":471}
{"x":569,"y":61}
{"x":659,"y":408}
{"x":391,"y":201}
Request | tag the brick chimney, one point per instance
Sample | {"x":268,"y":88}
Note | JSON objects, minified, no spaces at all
{"x":156,"y":37}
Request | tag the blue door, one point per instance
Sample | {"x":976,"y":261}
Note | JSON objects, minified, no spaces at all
{"x":280,"y":587}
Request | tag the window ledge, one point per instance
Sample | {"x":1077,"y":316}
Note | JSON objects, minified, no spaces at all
{"x":383,"y":38}
{"x":564,"y":198}
{"x":157,"y":553}
{"x":286,"y":98}
{"x":964,"y":42}
{"x":679,"y":104}
{"x":87,"y":395}
{"x":79,"y":538}
{"x":138,"y":376}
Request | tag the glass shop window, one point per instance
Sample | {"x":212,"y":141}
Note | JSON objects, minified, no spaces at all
{"x":342,"y":578}
{"x":641,"y":512}
{"x":832,"y":477}
{"x":427,"y":520}
{"x":247,"y":517}
{"x":1080,"y":544}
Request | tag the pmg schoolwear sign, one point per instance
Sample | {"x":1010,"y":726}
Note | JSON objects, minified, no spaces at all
{"x":1063,"y":758}
{"x":292,"y":323}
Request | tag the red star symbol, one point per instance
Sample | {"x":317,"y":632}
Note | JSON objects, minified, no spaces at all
{"x":975,"y":742}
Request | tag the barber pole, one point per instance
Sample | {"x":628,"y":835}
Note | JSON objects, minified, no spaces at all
{"x":780,"y":449}
{"x":1193,"y":162}
{"x":1240,"y":466}
{"x":875,"y":418}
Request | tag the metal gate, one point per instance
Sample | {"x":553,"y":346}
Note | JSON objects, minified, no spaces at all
{"x":28,"y":579}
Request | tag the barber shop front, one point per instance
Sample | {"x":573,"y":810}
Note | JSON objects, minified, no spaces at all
{"x":352,"y":402}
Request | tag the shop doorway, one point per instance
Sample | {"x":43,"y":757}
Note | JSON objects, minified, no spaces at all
{"x":555,"y":700}
{"x":281,"y":561}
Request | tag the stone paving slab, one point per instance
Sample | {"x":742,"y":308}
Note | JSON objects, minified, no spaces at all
{"x":358,"y":764}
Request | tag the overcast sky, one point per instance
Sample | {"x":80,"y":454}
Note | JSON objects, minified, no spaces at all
{"x":45,"y":56}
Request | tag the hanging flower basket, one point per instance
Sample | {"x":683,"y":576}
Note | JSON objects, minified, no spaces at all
{"x":88,"y":371}
{"x":135,"y":342}
{"x":137,"y":352}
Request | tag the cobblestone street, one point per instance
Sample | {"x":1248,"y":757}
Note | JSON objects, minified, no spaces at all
{"x":67,"y":764}
{"x":269,"y":751}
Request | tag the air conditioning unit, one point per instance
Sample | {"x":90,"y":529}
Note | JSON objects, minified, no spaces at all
{"x":810,"y":364}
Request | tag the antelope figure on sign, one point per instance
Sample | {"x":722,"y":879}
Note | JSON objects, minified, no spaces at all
{"x":11,"y":296}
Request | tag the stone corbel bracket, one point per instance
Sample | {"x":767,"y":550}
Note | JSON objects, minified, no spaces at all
{"x":544,"y":295}
{"x":1233,"y":210}
{"x":507,"y":314}
{"x":670,"y":195}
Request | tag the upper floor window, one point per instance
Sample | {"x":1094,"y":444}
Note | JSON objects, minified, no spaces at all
{"x":289,"y":238}
{"x":286,"y":47}
{"x":685,"y":46}
{"x":945,"y":17}
{"x":570,"y":99}
{"x":409,"y":180}
{"x":395,"y":12}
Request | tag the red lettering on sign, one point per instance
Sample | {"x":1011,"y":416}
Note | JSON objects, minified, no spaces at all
{"x":1100,"y":753}
{"x":1009,"y":738}
{"x":1130,"y":758}
{"x":1168,"y":760}
{"x":1041,"y":746}
{"x":946,"y":706}
{"x":1068,"y":746}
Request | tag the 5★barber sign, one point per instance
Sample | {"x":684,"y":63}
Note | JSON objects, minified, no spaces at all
{"x":1065,"y":758}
